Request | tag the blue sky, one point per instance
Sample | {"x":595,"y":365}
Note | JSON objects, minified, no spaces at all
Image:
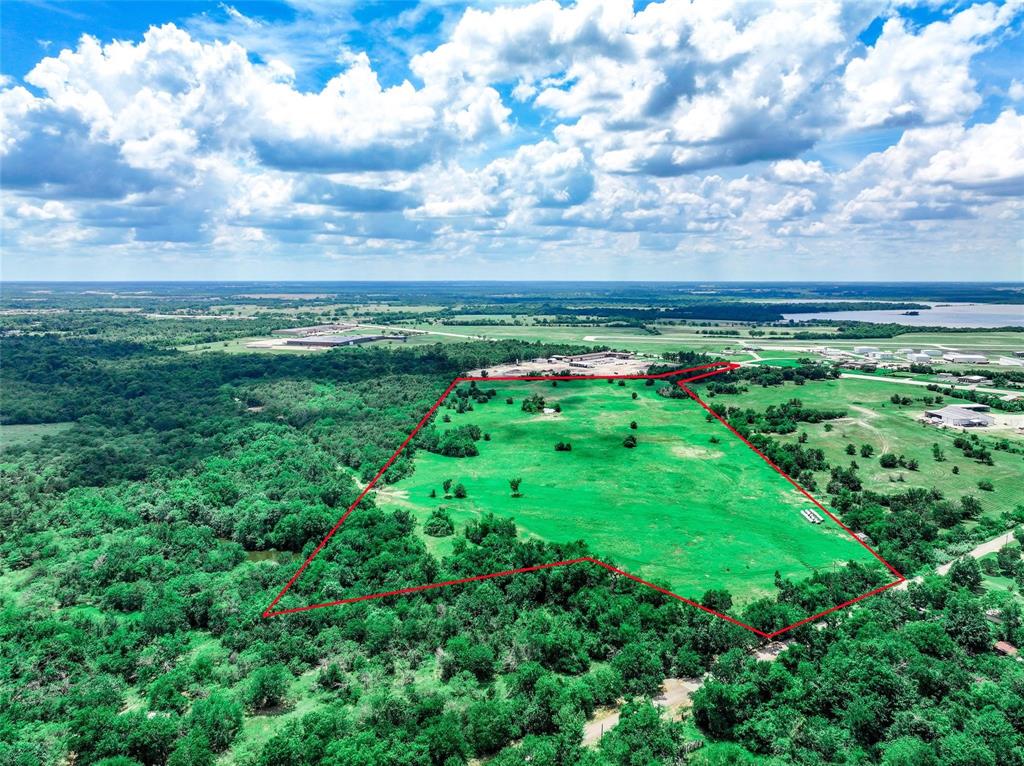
{"x":590,"y":140}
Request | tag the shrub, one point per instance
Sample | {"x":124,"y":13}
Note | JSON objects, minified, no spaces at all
{"x":439,"y":524}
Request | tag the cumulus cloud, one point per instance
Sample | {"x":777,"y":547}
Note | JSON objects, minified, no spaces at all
{"x":923,"y":76}
{"x":681,"y":126}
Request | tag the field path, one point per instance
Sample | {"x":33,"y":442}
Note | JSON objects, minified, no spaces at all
{"x":865,"y":421}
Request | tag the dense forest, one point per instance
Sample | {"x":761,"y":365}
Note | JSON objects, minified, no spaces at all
{"x":140,"y":545}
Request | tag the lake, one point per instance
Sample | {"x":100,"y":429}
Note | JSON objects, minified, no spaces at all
{"x":940,"y":315}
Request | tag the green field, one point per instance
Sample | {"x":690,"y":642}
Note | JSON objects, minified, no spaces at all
{"x":873,"y":419}
{"x":679,"y":509}
{"x":11,"y":436}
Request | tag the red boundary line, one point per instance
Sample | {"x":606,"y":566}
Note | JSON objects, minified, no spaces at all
{"x":715,"y":368}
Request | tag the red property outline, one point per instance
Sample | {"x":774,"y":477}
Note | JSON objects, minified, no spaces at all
{"x":715,"y":368}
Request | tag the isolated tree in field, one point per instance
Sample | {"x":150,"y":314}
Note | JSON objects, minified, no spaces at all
{"x":629,"y":442}
{"x":866,"y":450}
{"x":439,"y":524}
{"x":460,"y":490}
{"x":632,"y":424}
{"x":563,"y":447}
{"x":514,"y":486}
{"x":533,"y":403}
{"x":851,"y":449}
{"x":447,"y":486}
{"x":634,"y":394}
{"x":889,"y":460}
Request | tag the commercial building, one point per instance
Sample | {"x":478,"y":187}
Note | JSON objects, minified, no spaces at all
{"x":973,"y":380}
{"x":332,"y":341}
{"x":958,"y":358}
{"x":865,"y":349}
{"x":961,"y":416}
{"x":593,"y":359}
{"x":301,"y":332}
{"x":919,"y":358}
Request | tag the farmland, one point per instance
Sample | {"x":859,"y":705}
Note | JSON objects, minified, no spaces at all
{"x":690,"y":507}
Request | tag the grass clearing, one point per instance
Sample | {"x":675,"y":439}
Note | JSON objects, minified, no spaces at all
{"x":690,"y":507}
{"x":11,"y":436}
{"x":873,"y":419}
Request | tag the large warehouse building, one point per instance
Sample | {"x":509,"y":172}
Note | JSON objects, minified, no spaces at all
{"x":330,"y":341}
{"x":961,"y":416}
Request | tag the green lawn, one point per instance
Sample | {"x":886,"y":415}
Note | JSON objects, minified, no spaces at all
{"x":678,"y":509}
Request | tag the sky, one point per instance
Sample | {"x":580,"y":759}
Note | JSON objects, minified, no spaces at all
{"x":604,"y":139}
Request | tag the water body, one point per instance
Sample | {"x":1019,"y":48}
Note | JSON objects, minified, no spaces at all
{"x":940,"y":315}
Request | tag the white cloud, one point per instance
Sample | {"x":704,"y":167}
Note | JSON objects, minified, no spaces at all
{"x":910,"y":77}
{"x":684,"y":127}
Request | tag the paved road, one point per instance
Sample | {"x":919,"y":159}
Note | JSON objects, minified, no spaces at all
{"x":417,"y":331}
{"x":985,"y":548}
{"x":908,"y":382}
{"x":982,"y":550}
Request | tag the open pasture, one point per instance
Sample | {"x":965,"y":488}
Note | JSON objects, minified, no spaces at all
{"x":690,"y":507}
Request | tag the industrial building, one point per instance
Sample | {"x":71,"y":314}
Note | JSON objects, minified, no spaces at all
{"x":315,"y":329}
{"x":865,"y":349}
{"x":958,"y":358}
{"x":961,"y":416}
{"x":919,"y":358}
{"x":332,"y":341}
{"x":594,"y":359}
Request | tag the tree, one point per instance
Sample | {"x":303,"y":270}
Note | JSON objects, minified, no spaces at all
{"x":460,"y":490}
{"x":632,"y":424}
{"x":888,"y":460}
{"x":629,"y":442}
{"x":266,"y":687}
{"x":851,"y":449}
{"x":866,"y":450}
{"x":219,"y":717}
{"x":720,"y":600}
{"x":966,"y":623}
{"x":965,"y":573}
{"x":447,"y":486}
{"x":514,"y":486}
{"x":439,"y":524}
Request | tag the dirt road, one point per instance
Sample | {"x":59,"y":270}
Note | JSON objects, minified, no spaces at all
{"x":675,"y":695}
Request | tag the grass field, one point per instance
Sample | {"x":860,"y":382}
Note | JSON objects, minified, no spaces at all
{"x":873,"y":419}
{"x":679,"y":509}
{"x":11,"y":436}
